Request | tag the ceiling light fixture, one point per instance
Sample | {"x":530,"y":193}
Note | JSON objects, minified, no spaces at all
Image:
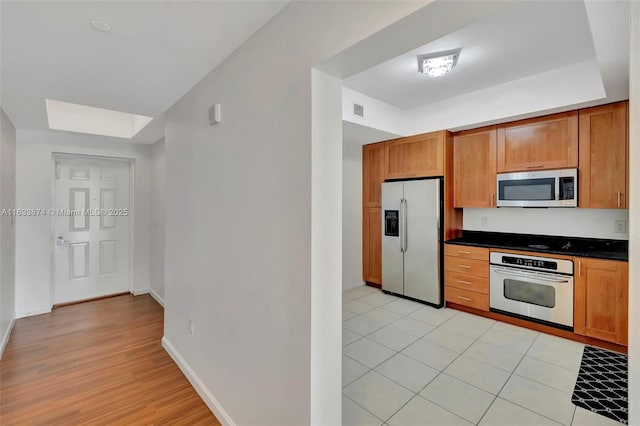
{"x":438,"y":64}
{"x":100,"y":26}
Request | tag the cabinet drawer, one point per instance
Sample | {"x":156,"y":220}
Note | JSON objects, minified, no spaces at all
{"x":467,"y":298}
{"x":480,"y":253}
{"x":467,"y":282}
{"x":466,"y":266}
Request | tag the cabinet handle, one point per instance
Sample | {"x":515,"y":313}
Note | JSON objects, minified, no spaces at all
{"x":579,"y":268}
{"x":464,"y":266}
{"x":464,"y":298}
{"x":464,"y":282}
{"x":534,"y":166}
{"x":464,"y":252}
{"x":619,"y":203}
{"x":492,"y":198}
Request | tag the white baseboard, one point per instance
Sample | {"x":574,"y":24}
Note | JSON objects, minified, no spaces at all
{"x":197,"y":384}
{"x":156,"y":296}
{"x":347,"y":287}
{"x":140,"y":291}
{"x":5,"y":338}
{"x":33,"y":313}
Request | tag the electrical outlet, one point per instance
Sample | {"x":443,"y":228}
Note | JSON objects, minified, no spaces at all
{"x":191,"y":327}
{"x":484,"y":221}
{"x":620,"y":226}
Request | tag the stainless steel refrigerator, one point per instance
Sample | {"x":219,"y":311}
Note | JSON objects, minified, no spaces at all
{"x":412,"y":239}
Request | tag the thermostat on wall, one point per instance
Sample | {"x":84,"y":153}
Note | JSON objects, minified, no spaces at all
{"x":214,"y":114}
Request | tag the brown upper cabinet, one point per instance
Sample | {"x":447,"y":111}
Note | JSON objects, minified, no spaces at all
{"x":549,"y":142}
{"x":603,"y":156}
{"x":372,"y":174}
{"x":415,"y":156}
{"x":601,"y":298}
{"x":474,"y":168}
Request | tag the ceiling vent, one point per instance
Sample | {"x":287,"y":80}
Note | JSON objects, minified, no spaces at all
{"x":358,"y":110}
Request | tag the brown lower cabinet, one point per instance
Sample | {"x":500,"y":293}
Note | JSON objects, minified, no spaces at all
{"x":372,"y":245}
{"x":466,"y":276}
{"x":601,"y":299}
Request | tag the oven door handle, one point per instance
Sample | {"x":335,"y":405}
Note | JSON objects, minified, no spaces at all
{"x":526,"y":275}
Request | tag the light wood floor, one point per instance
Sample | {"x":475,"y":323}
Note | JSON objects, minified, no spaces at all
{"x":95,"y":363}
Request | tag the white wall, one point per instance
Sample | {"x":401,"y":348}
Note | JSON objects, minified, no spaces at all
{"x":634,"y":217}
{"x":326,"y":249}
{"x":351,"y":216}
{"x":158,"y":186}
{"x":590,"y":223}
{"x":239,"y":221}
{"x":7,"y":229}
{"x":33,"y":234}
{"x":377,"y":114}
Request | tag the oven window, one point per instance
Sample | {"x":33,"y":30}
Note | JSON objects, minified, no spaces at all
{"x":528,"y":189}
{"x":531,"y":293}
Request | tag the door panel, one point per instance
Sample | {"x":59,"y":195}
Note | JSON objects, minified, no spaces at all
{"x":603,"y":155}
{"x":79,"y":260}
{"x":601,"y":300}
{"x":415,"y":156}
{"x":392,"y":259}
{"x":372,"y":174}
{"x":474,"y":168}
{"x":372,"y":246}
{"x":549,"y":142}
{"x":91,"y":229}
{"x":422,"y":247}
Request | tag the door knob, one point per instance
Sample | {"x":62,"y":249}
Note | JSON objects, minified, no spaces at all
{"x":60,"y":241}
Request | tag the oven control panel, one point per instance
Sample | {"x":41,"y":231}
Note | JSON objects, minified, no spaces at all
{"x":535,"y":263}
{"x":532,"y":263}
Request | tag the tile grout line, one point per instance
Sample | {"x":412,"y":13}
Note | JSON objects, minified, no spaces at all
{"x":441,"y":372}
{"x":509,"y":378}
{"x":511,"y":373}
{"x":514,"y":373}
{"x":398,"y":352}
{"x":355,"y":402}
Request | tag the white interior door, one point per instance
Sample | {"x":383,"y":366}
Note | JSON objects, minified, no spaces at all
{"x":91,"y":228}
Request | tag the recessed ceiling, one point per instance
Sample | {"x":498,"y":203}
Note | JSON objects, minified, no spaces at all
{"x":529,"y":38}
{"x":155,"y":53}
{"x":94,"y":121}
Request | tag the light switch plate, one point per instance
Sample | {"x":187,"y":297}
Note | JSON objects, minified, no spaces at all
{"x":620,"y":226}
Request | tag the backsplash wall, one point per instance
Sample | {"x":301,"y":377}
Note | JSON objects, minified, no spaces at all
{"x":571,"y":222}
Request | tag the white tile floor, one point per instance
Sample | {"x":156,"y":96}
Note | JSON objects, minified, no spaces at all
{"x":408,"y":364}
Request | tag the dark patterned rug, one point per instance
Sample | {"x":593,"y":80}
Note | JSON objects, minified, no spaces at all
{"x":602,"y":385}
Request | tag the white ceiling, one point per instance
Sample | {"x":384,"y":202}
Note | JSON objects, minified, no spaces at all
{"x":353,"y":133}
{"x":526,"y":39}
{"x":156,"y":52}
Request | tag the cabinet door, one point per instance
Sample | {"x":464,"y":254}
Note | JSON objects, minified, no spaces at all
{"x":601,"y":299}
{"x":415,"y":156}
{"x":603,"y":157}
{"x":372,"y":245}
{"x":474,"y":168}
{"x":372,"y":174}
{"x":549,"y":142}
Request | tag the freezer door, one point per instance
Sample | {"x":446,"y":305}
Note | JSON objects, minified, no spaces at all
{"x":392,"y":262}
{"x":422,"y":242}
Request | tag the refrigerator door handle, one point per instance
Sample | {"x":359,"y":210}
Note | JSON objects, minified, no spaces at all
{"x":400,"y":225}
{"x":405,"y":225}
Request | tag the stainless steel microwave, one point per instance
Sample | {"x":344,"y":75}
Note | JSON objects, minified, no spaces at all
{"x":549,"y":188}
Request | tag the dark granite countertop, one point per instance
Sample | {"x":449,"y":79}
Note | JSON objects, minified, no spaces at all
{"x":570,"y":246}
